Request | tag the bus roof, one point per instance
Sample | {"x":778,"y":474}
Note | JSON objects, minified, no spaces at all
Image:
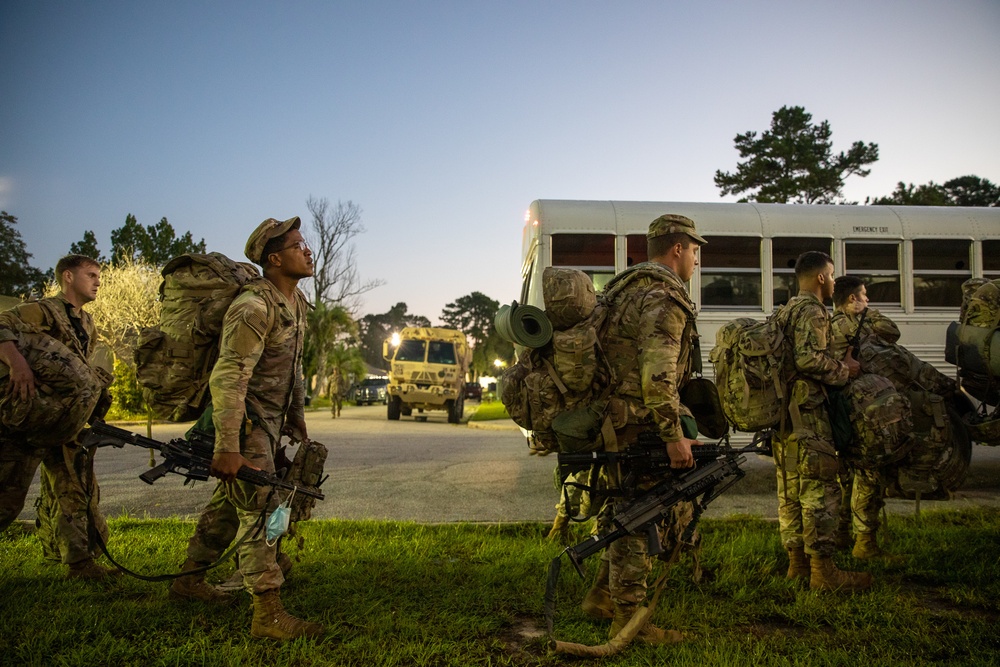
{"x":769,"y":220}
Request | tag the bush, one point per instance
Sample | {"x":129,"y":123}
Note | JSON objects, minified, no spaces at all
{"x":126,"y":396}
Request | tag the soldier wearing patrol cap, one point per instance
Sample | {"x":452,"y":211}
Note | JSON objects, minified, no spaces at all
{"x":257,"y":394}
{"x":650,"y":346}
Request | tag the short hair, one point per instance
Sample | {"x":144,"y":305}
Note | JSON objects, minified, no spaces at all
{"x":844,"y":287}
{"x":660,"y":245}
{"x":811,"y":262}
{"x":72,"y":262}
{"x":275,"y":244}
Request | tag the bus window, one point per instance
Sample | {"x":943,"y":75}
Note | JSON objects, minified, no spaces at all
{"x":877,"y":263}
{"x":784,"y":252}
{"x":635,"y":249}
{"x":526,"y":285}
{"x":940,"y":266}
{"x":730,"y":272}
{"x":991,"y":259}
{"x":594,"y":254}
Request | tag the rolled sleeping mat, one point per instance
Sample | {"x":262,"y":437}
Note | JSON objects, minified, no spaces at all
{"x":972,"y":348}
{"x":523,"y":325}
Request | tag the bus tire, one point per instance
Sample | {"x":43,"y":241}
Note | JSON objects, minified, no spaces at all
{"x":393,"y":408}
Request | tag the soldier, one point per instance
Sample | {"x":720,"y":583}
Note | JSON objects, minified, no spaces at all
{"x":804,"y":455}
{"x":258,"y":393}
{"x":337,"y":385}
{"x":649,"y":346}
{"x":69,"y":491}
{"x":862,"y":491}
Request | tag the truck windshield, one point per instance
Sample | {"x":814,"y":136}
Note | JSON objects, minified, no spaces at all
{"x":410,"y":350}
{"x":441,"y":353}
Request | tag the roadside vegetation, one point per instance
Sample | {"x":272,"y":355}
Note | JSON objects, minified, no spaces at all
{"x":488,"y":411}
{"x":466,"y":594}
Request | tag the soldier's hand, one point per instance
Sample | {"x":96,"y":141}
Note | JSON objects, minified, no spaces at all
{"x":22,"y":379}
{"x":295,"y":429}
{"x":679,"y":452}
{"x":853,"y":367}
{"x":225,"y":465}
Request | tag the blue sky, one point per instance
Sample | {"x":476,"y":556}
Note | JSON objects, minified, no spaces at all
{"x":444,"y":120}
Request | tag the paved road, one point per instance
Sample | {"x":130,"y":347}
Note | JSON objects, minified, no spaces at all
{"x":432,"y":471}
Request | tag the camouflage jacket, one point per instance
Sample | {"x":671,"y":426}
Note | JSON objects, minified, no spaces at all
{"x":807,"y":326}
{"x":843,"y":326}
{"x":649,"y":339}
{"x":51,"y":316}
{"x":259,"y":372}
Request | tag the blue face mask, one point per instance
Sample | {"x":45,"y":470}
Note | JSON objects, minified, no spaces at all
{"x":277,"y":522}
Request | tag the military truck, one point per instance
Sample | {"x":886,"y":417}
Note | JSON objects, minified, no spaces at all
{"x":427,"y":371}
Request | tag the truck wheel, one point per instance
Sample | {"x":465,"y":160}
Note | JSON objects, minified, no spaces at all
{"x":455,"y":410}
{"x":392,"y":408}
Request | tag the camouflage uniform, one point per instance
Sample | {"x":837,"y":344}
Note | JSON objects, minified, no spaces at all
{"x":649,"y":339}
{"x":804,"y":455}
{"x":256,"y":384}
{"x":69,"y":489}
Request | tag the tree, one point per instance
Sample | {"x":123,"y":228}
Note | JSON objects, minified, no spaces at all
{"x":473,"y":314}
{"x":17,"y":276}
{"x":374,"y":329}
{"x":156,"y":244}
{"x":794,"y":161}
{"x":972,"y":191}
{"x":335,"y":278}
{"x":961,"y":191}
{"x":87,"y":247}
{"x":326,"y":326}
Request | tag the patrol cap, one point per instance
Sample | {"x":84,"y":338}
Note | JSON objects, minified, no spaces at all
{"x":266,"y":231}
{"x":672,"y":223}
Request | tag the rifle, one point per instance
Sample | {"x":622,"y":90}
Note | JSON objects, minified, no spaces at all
{"x":649,"y":454}
{"x":191,"y":458}
{"x":708,"y":480}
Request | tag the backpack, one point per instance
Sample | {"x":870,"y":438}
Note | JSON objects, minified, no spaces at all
{"x":67,"y":390}
{"x":973,"y":344}
{"x":174,"y":359}
{"x":751,"y":372}
{"x":880,"y":422}
{"x":559,"y":390}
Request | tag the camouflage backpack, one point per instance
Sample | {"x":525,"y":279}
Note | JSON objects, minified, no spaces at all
{"x":559,"y":391}
{"x":932,"y":437}
{"x":67,"y":391}
{"x":880,"y":422}
{"x":174,"y":360}
{"x":751,"y":371}
{"x":973,"y":344}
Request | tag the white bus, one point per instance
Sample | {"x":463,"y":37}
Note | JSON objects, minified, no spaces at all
{"x":914,"y":258}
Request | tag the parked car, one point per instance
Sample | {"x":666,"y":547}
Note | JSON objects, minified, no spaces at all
{"x":473,"y":391}
{"x":372,"y":390}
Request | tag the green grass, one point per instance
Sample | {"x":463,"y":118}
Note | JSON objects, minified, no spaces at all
{"x":465,"y":594}
{"x":488,"y":411}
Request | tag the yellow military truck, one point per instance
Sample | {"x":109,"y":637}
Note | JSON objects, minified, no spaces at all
{"x":427,"y":371}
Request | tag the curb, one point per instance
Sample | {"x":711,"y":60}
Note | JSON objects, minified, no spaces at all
{"x":495,"y":425}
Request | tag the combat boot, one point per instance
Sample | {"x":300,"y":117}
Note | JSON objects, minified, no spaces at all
{"x":825,"y":576}
{"x":798,"y":564}
{"x":866,"y":548}
{"x":560,"y":529}
{"x":194,"y":587}
{"x":271,"y":621}
{"x":88,"y":569}
{"x":649,"y":634}
{"x":597,"y":602}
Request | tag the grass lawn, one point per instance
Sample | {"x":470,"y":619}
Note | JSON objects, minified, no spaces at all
{"x":488,"y":411}
{"x":471,"y":594}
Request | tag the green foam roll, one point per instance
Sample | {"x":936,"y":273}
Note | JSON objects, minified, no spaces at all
{"x":527,"y":326}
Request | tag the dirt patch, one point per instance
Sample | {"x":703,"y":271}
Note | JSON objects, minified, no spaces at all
{"x":525,"y":638}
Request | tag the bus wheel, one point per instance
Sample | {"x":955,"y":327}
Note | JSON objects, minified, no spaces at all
{"x":955,"y":469}
{"x":393,"y":408}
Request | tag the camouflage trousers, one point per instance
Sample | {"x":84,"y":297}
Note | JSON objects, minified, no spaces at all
{"x":68,"y":489}
{"x":861,"y":500}
{"x":808,"y":491}
{"x":628,"y":558}
{"x":234,"y":511}
{"x":574,"y":501}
